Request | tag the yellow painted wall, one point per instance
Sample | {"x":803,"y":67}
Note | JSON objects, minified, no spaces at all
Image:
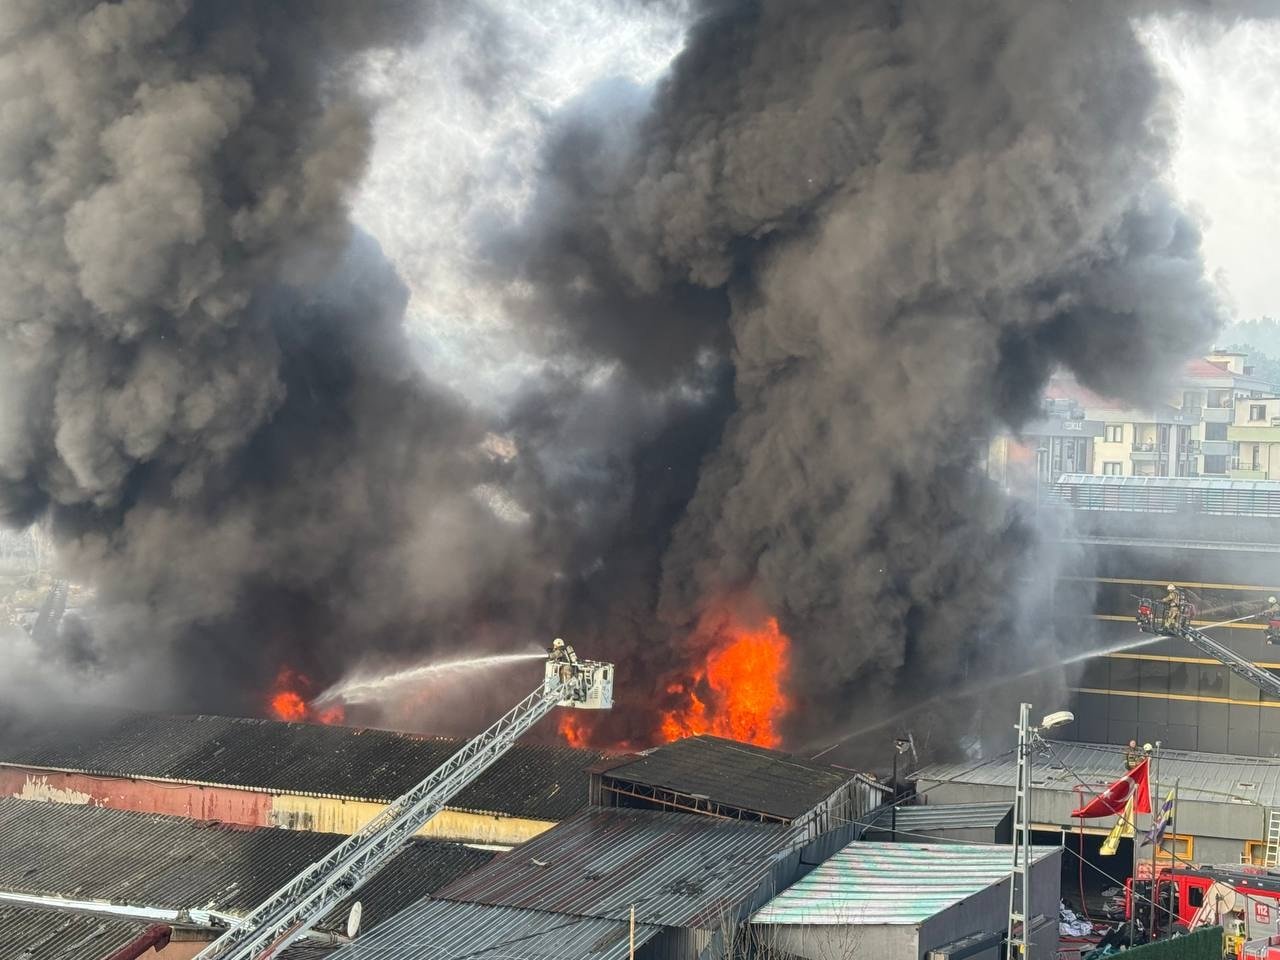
{"x":327,"y":815}
{"x":1117,"y":452}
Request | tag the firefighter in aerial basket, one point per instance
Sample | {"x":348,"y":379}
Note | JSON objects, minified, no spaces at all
{"x":1272,"y":613}
{"x":1172,"y":608}
{"x":564,"y":655}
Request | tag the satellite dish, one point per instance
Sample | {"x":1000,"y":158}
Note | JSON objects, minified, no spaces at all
{"x":353,"y":919}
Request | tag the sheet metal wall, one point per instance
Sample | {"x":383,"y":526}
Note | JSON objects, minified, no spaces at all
{"x":251,"y":808}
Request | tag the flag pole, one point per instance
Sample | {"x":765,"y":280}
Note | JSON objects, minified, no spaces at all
{"x":1157,"y":809}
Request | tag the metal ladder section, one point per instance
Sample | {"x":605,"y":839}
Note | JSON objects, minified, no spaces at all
{"x":1019,"y":875}
{"x":1271,"y":857}
{"x":1237,"y":664}
{"x":297,"y":906}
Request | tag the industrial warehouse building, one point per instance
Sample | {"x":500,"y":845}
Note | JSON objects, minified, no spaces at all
{"x":906,"y":899}
{"x":78,"y":878}
{"x":293,"y":775}
{"x":725,"y":778}
{"x":1223,"y":802}
{"x":571,"y":891}
{"x":193,"y":876}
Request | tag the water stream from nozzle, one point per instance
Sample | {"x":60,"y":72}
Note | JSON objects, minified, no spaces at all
{"x":367,"y":688}
{"x":1140,"y":641}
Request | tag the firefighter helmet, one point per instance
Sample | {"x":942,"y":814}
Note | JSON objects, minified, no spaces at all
{"x":1172,"y":587}
{"x":557,"y":643}
{"x":1271,"y":599}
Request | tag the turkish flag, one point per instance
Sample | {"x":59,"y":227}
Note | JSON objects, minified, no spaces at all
{"x":1110,"y":803}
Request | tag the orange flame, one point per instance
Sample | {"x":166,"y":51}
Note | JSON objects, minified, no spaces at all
{"x":289,"y":700}
{"x":574,"y":730}
{"x":737,"y":693}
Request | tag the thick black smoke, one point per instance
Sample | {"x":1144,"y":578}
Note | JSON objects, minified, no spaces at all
{"x":897,"y":219}
{"x":204,"y":378}
{"x":802,"y":285}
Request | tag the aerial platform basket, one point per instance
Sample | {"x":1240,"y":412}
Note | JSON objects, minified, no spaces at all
{"x":584,"y":684}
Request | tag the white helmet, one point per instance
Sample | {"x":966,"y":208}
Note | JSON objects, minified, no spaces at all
{"x":1172,"y":587}
{"x":557,"y":643}
{"x":1271,"y":599}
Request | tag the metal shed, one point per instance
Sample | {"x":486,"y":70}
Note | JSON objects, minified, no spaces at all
{"x":904,"y":899}
{"x":739,"y":781}
{"x":944,"y":822}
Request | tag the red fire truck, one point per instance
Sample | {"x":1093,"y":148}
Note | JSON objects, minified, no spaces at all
{"x":1244,"y":900}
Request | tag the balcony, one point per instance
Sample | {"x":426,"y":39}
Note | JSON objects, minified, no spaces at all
{"x":1239,"y":474}
{"x":1218,"y":414}
{"x":1147,"y":453}
{"x":1216,"y":448}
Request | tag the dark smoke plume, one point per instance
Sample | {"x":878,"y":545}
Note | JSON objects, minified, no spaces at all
{"x":793,"y":292}
{"x":897,"y":219}
{"x":203,"y":374}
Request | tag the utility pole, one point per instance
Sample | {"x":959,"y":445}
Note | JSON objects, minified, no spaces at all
{"x":1020,"y":875}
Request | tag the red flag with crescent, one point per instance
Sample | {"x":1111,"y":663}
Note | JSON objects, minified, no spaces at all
{"x":1110,"y":803}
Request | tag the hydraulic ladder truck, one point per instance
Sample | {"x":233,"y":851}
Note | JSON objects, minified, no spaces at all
{"x":293,"y":910}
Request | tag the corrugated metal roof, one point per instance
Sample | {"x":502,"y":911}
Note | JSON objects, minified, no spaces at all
{"x":1200,"y":776}
{"x":890,"y":883}
{"x":446,"y":930}
{"x":531,"y":780}
{"x":142,"y":859}
{"x":677,"y":869}
{"x":31,"y":933}
{"x":924,"y":818}
{"x":735,"y":774}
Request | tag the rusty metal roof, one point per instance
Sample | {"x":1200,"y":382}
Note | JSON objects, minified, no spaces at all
{"x":677,"y":869}
{"x":531,"y":780}
{"x":735,"y":774}
{"x":33,"y":933}
{"x":143,"y":859}
{"x":447,"y":930}
{"x":891,"y":883}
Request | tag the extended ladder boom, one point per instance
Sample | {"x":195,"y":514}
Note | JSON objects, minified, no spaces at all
{"x":1237,"y":664}
{"x":302,"y":902}
{"x":1150,"y":621}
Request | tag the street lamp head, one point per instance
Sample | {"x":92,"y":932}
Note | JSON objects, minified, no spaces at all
{"x":1058,"y":719}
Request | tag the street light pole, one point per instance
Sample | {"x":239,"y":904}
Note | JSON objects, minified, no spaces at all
{"x":1020,"y":874}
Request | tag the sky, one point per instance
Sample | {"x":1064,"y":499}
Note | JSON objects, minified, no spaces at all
{"x":455,"y":150}
{"x":1226,"y":168}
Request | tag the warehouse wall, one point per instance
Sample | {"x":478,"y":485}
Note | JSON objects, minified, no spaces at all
{"x":330,"y":815}
{"x":843,"y":942}
{"x":1219,"y":829}
{"x":987,"y":911}
{"x":251,"y":808}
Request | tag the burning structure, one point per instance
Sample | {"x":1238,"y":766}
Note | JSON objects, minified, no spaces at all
{"x":791,"y":291}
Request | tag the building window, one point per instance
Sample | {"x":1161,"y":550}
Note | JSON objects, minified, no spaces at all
{"x":1115,"y":432}
{"x":1215,"y":431}
{"x":1112,"y":469}
{"x":1175,"y":846}
{"x":1215,"y":465}
{"x":1257,"y":411}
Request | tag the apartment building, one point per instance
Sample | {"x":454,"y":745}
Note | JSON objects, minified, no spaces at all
{"x":1186,"y":435}
{"x":1254,"y":433}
